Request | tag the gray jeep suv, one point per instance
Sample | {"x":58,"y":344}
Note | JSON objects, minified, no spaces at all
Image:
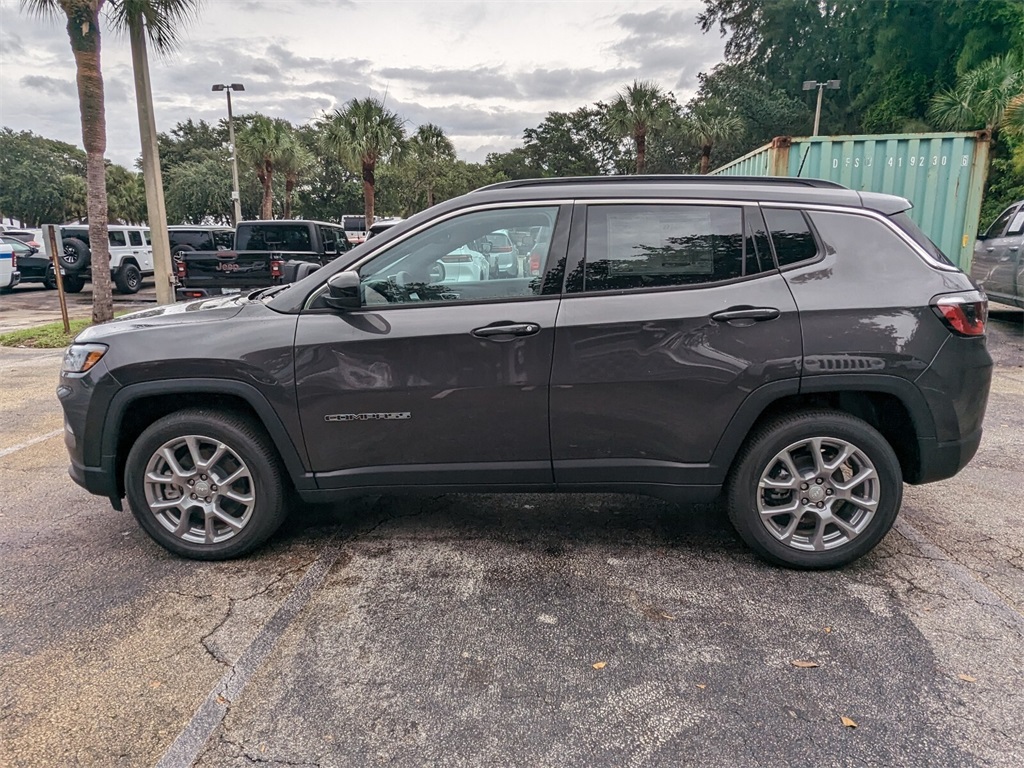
{"x":799,"y":347}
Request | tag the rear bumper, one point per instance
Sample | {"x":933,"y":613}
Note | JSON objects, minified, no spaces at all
{"x":940,"y":461}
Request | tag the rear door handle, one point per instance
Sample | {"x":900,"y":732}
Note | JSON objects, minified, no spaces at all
{"x":507,"y":329}
{"x":990,"y":249}
{"x":746,"y":313}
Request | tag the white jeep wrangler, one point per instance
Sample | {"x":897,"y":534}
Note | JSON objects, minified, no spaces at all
{"x":131,"y":256}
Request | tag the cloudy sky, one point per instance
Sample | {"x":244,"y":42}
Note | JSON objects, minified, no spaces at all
{"x":482,"y":70}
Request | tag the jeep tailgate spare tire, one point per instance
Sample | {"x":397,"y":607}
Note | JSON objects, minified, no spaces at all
{"x":74,"y":255}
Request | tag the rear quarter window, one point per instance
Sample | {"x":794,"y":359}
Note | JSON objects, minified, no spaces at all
{"x":791,"y":236}
{"x":908,"y":225}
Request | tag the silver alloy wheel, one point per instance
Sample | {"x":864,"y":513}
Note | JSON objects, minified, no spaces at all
{"x":199,"y":489}
{"x":818,"y":494}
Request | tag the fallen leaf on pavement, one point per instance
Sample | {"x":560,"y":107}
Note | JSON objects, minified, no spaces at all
{"x":968,"y":678}
{"x":804,"y":664}
{"x":156,"y":684}
{"x":702,"y":686}
{"x":600,"y":665}
{"x":847,"y":722}
{"x":828,"y":630}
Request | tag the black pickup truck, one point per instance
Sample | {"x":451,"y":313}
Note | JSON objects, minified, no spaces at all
{"x":266,"y":253}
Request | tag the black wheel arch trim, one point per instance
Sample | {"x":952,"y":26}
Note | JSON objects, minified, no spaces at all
{"x":294,"y":462}
{"x":758,"y":401}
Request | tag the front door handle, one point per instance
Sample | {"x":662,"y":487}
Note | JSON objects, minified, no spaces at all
{"x":990,"y":249}
{"x":507,"y":329}
{"x":746,"y":313}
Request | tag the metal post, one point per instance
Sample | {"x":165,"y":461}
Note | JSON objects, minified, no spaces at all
{"x":817,"y":112}
{"x":234,"y":162}
{"x":157,"y":212}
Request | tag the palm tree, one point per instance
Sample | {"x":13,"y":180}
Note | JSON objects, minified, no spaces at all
{"x":641,"y":110}
{"x":162,"y":18}
{"x":294,"y":160}
{"x":431,"y":147}
{"x":981,"y":96}
{"x":261,"y":142}
{"x":706,"y":130}
{"x":362,"y":134}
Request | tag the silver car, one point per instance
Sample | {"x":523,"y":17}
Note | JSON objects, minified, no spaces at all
{"x":998,"y":264}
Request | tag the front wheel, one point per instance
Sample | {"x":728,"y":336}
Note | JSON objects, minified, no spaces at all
{"x":128,"y":279}
{"x":50,"y":279}
{"x":73,"y":283}
{"x":205,"y":484}
{"x":814,"y":489}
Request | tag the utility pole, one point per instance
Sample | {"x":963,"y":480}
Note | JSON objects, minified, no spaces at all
{"x":157,"y":212}
{"x":810,"y":85}
{"x":235,"y":195}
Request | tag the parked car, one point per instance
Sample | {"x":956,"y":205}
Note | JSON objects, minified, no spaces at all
{"x":267,"y":253}
{"x":9,"y":274}
{"x":793,"y":345}
{"x":355,"y":229}
{"x":131,"y":256}
{"x":503,"y":257}
{"x":998,"y":264}
{"x":30,"y":236}
{"x":382,"y":225}
{"x":185,"y":238}
{"x":33,"y":263}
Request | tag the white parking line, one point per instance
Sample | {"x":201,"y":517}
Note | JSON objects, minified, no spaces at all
{"x":28,"y":443}
{"x":204,"y":722}
{"x":961,"y":575}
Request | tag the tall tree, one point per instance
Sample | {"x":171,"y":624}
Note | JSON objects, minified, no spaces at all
{"x":83,"y":25}
{"x":643,"y":108}
{"x":430,"y":150}
{"x":261,"y":142}
{"x":294,"y":161}
{"x":361,"y":134}
{"x":981,"y":95}
{"x":707,"y":128}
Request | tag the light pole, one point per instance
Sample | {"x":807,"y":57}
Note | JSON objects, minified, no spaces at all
{"x":235,"y":196}
{"x":810,"y":85}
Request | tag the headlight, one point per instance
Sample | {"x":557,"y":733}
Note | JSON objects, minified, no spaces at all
{"x":81,"y":357}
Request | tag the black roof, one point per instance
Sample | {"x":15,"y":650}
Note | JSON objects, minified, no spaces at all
{"x":784,"y":181}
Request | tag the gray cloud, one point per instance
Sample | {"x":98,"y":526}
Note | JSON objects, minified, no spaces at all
{"x":51,"y":85}
{"x":583,"y":84}
{"x":476,"y":83}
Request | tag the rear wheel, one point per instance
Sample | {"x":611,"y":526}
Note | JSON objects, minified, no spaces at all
{"x":815,"y":489}
{"x":205,"y":484}
{"x":128,"y":278}
{"x":50,"y":280}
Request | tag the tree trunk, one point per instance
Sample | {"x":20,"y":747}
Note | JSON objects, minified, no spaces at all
{"x":368,"y":193}
{"x":705,"y":158}
{"x":641,"y":152}
{"x":267,"y":210}
{"x":289,"y":186}
{"x":84,"y":34}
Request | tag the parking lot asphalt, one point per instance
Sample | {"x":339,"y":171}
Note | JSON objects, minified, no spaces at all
{"x":31,"y":304}
{"x":508,"y":630}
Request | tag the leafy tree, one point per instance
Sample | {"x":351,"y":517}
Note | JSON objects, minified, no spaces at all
{"x":38,"y":176}
{"x":126,"y":195}
{"x":361,"y":134}
{"x":981,"y":95}
{"x":641,"y":110}
{"x":707,"y":128}
{"x":261,"y":143}
{"x":190,"y":141}
{"x":162,"y":19}
{"x":331,"y":189}
{"x":294,"y":161}
{"x":578,"y":143}
{"x":514,"y":164}
{"x":430,"y":150}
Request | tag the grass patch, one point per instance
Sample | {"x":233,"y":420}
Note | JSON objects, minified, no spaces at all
{"x":49,"y":336}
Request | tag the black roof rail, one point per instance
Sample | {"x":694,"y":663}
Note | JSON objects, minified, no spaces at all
{"x":781,"y":181}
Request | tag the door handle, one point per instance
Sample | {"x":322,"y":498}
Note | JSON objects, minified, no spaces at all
{"x":506,"y":329}
{"x":746,"y":313}
{"x":1014,"y":247}
{"x":990,"y":249}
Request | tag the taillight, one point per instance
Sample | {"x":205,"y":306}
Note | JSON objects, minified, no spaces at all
{"x":456,"y":258}
{"x":501,"y":249}
{"x":275,"y":268}
{"x":181,"y":269}
{"x":964,"y":314}
{"x":534,"y":263}
{"x":14,"y":261}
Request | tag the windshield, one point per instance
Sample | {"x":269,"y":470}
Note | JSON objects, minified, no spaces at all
{"x":273,"y":237}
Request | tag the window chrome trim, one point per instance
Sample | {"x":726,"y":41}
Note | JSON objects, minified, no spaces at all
{"x":867,"y":212}
{"x":450,"y":215}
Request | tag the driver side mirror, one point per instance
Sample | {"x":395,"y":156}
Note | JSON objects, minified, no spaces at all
{"x":343,"y":291}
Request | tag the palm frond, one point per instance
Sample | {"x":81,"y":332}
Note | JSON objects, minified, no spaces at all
{"x":163,"y":19}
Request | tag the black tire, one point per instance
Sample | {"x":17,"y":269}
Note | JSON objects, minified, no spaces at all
{"x":247,"y":448}
{"x":50,"y":279}
{"x":73,"y":283}
{"x":74,"y":255}
{"x":835,"y":547}
{"x":128,"y":278}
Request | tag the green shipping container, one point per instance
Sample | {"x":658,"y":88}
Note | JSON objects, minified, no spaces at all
{"x":942,"y":174}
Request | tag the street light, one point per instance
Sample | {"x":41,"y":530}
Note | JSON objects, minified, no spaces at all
{"x":810,"y":85}
{"x":235,"y":196}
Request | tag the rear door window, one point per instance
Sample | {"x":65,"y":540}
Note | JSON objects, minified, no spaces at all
{"x":135,"y":237}
{"x":791,"y":236}
{"x":117,"y":239}
{"x":658,"y":246}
